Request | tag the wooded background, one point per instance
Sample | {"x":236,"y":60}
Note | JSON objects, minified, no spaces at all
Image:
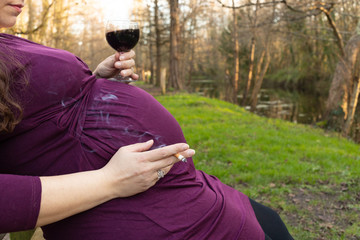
{"x":243,"y":46}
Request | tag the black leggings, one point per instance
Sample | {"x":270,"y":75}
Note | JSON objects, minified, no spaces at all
{"x":270,"y":222}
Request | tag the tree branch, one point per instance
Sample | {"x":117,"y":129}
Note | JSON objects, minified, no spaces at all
{"x":325,"y":8}
{"x":338,"y":36}
{"x":248,"y":4}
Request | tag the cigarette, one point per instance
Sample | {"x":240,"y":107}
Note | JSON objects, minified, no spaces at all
{"x":180,"y":157}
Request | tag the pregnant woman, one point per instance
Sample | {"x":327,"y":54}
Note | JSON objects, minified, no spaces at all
{"x":74,"y":122}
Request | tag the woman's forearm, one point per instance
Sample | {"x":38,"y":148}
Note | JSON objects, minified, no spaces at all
{"x":66,"y":195}
{"x":133,"y":169}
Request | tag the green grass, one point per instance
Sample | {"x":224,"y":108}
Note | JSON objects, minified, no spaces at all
{"x":25,"y":235}
{"x":310,"y":177}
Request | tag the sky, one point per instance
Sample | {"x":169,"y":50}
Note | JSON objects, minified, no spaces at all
{"x":116,"y":8}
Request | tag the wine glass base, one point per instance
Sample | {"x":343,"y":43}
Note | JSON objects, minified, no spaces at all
{"x":122,"y":79}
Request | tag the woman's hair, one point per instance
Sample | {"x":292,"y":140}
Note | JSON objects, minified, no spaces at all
{"x":10,"y":71}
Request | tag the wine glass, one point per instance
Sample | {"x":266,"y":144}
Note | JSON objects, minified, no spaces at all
{"x":122,"y":35}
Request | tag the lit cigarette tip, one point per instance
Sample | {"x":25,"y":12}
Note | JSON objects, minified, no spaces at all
{"x":181,"y":157}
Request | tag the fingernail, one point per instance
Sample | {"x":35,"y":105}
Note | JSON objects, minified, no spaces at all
{"x":186,"y":146}
{"x":118,"y":64}
{"x":190,"y":152}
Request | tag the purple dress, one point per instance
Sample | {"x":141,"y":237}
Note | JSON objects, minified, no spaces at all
{"x":74,"y":122}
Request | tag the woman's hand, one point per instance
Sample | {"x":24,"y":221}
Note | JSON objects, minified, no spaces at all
{"x":133,"y":169}
{"x":122,"y":63}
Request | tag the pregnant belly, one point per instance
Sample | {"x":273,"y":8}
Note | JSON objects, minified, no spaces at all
{"x":163,"y":212}
{"x":113,"y":119}
{"x":119,"y":114}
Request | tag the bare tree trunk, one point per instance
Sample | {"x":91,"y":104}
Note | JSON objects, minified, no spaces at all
{"x":261,"y":67}
{"x":163,"y":81}
{"x":192,"y":46}
{"x":174,"y":80}
{"x":151,"y":79}
{"x":251,"y":71}
{"x":152,"y":71}
{"x":57,"y":23}
{"x":60,"y":22}
{"x":352,"y":108}
{"x":337,"y":106}
{"x":259,"y":78}
{"x":30,"y":25}
{"x":341,"y":85}
{"x":354,"y":96}
{"x":45,"y":21}
{"x":252,"y":55}
{"x":158,"y":44}
{"x":236,"y":54}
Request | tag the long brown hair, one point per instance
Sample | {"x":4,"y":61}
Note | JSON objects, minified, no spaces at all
{"x":10,"y":108}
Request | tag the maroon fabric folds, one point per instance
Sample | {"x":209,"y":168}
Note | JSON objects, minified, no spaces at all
{"x":75,"y":122}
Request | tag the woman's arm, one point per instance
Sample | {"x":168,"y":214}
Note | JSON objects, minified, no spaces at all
{"x":130,"y":171}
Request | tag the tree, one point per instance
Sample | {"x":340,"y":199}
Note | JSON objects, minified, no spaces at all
{"x":344,"y":90}
{"x":262,"y":68}
{"x":157,"y":43}
{"x":174,"y":80}
{"x":263,"y":63}
{"x":252,"y":51}
{"x":236,"y":53}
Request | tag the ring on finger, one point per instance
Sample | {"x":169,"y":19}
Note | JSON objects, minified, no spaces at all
{"x":160,"y":174}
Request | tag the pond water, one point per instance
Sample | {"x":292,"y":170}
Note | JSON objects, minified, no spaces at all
{"x":291,"y":106}
{"x":287,"y":105}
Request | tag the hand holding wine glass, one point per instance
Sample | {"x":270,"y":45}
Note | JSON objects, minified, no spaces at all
{"x":110,"y":66}
{"x":122,"y":35}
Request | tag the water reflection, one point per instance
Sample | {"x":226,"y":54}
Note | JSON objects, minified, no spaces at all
{"x":291,"y":106}
{"x":287,"y":105}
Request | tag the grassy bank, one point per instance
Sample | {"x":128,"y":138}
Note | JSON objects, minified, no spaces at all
{"x":310,"y":177}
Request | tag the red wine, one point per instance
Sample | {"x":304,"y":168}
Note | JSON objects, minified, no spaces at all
{"x":123,"y":40}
